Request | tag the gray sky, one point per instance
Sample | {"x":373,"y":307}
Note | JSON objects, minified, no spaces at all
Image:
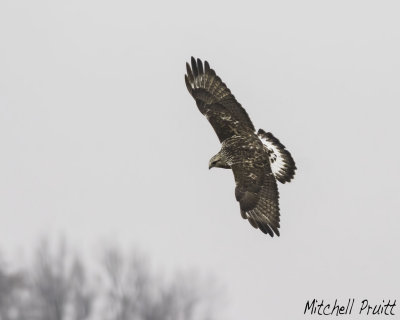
{"x":100,"y":138}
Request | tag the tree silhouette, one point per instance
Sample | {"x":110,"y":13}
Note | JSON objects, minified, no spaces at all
{"x":11,"y":290}
{"x":57,"y":285}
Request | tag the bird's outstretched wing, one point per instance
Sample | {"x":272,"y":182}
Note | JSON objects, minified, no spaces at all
{"x":282,"y":164}
{"x":257,"y":193}
{"x":215,"y":101}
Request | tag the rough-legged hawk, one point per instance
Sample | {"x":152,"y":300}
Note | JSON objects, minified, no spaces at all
{"x":256,"y":159}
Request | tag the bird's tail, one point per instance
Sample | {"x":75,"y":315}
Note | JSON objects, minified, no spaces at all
{"x":282,"y":163}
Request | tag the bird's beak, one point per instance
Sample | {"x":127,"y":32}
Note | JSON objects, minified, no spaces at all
{"x":210,"y":166}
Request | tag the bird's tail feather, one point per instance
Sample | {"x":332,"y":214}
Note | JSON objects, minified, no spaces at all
{"x":282,"y":163}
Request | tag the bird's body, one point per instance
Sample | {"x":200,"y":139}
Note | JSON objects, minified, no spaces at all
{"x":256,"y":159}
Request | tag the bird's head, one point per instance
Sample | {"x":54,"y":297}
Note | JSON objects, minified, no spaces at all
{"x":218,"y":162}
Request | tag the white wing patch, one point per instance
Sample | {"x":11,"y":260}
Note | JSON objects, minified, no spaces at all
{"x":282,"y":163}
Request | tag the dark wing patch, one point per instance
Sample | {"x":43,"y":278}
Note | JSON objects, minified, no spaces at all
{"x":257,"y":193}
{"x":282,"y":163}
{"x":215,"y":100}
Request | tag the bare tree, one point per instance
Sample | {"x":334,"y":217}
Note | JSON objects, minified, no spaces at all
{"x":58,"y":286}
{"x":126,"y":285}
{"x":50,"y":282}
{"x":135,"y":293}
{"x":82,"y":294}
{"x":12,"y":285}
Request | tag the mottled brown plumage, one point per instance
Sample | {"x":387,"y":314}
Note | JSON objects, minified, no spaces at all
{"x":256,"y":160}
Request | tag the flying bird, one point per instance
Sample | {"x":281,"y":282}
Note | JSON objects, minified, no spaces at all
{"x":257,"y":159}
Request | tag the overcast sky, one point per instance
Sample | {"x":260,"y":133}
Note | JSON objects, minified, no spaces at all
{"x":100,"y":139}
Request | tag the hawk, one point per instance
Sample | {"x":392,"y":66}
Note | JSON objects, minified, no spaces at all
{"x":257,"y":159}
